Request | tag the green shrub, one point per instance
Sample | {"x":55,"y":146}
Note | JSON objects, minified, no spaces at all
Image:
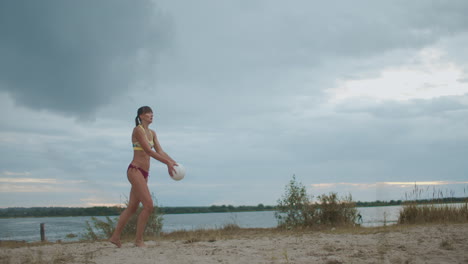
{"x":297,"y":209}
{"x":335,"y":211}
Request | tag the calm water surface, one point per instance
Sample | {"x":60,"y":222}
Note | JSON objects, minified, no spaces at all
{"x":57,"y":228}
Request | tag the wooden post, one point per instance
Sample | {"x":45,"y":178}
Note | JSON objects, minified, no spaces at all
{"x":43,"y":238}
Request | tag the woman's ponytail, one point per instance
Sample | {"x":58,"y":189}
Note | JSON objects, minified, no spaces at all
{"x":137,"y":121}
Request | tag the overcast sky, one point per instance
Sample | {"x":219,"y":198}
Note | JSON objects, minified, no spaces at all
{"x":360,"y":97}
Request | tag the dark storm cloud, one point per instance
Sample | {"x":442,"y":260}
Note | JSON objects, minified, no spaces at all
{"x":263,"y":48}
{"x":241,"y":94}
{"x":73,"y":56}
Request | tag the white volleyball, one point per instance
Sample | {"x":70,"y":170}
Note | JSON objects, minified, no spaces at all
{"x":179,"y":172}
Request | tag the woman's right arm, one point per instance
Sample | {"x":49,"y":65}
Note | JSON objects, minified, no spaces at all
{"x":141,"y":137}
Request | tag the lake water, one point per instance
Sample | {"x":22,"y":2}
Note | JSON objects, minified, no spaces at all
{"x":57,"y":228}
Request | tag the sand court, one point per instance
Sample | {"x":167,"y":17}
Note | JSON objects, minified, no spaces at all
{"x":406,"y":244}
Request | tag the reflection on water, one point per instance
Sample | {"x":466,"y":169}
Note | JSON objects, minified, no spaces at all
{"x":57,"y":228}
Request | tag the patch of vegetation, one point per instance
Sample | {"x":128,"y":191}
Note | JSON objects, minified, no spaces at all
{"x":414,"y":212}
{"x":71,"y":235}
{"x":297,"y":209}
{"x":447,"y":245}
{"x":37,"y":257}
{"x":99,"y":229}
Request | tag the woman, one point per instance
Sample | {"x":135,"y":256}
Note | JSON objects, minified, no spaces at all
{"x":143,"y":139}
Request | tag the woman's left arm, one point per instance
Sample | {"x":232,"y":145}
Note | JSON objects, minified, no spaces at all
{"x":158,"y":148}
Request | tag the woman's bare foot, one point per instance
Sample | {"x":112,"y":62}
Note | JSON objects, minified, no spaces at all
{"x":140,"y":243}
{"x":115,"y":242}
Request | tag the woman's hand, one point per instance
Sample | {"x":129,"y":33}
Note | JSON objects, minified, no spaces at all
{"x":171,"y":169}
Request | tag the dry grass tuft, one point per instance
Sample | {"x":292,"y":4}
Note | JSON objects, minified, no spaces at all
{"x":433,"y":212}
{"x":20,"y":244}
{"x":37,"y":257}
{"x":210,"y":235}
{"x":235,"y":232}
{"x":447,"y":245}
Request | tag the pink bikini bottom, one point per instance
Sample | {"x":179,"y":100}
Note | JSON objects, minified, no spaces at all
{"x":143,"y":172}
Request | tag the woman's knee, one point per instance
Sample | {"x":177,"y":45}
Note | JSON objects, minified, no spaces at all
{"x":148,"y":206}
{"x":132,"y":209}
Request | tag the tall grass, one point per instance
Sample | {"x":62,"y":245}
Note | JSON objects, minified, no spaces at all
{"x":99,"y":229}
{"x":297,"y":209}
{"x":434,"y":210}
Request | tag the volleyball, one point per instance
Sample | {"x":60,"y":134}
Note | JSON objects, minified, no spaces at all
{"x":179,"y":172}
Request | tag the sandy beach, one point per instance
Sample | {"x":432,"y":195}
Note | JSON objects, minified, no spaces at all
{"x":396,"y":244}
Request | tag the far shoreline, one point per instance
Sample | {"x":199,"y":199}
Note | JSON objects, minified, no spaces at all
{"x":99,"y":211}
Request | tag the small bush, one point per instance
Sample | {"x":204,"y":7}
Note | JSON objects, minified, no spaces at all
{"x":296,"y":208}
{"x":71,"y":235}
{"x":335,"y":211}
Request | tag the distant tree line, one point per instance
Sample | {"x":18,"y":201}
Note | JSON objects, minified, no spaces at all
{"x":59,"y":211}
{"x":419,"y":201}
{"x":110,"y":211}
{"x":378,"y":203}
{"x":216,"y":209}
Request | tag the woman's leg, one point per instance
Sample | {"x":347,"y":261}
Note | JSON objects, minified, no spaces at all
{"x":124,"y":217}
{"x":127,"y":213}
{"x":141,"y":191}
